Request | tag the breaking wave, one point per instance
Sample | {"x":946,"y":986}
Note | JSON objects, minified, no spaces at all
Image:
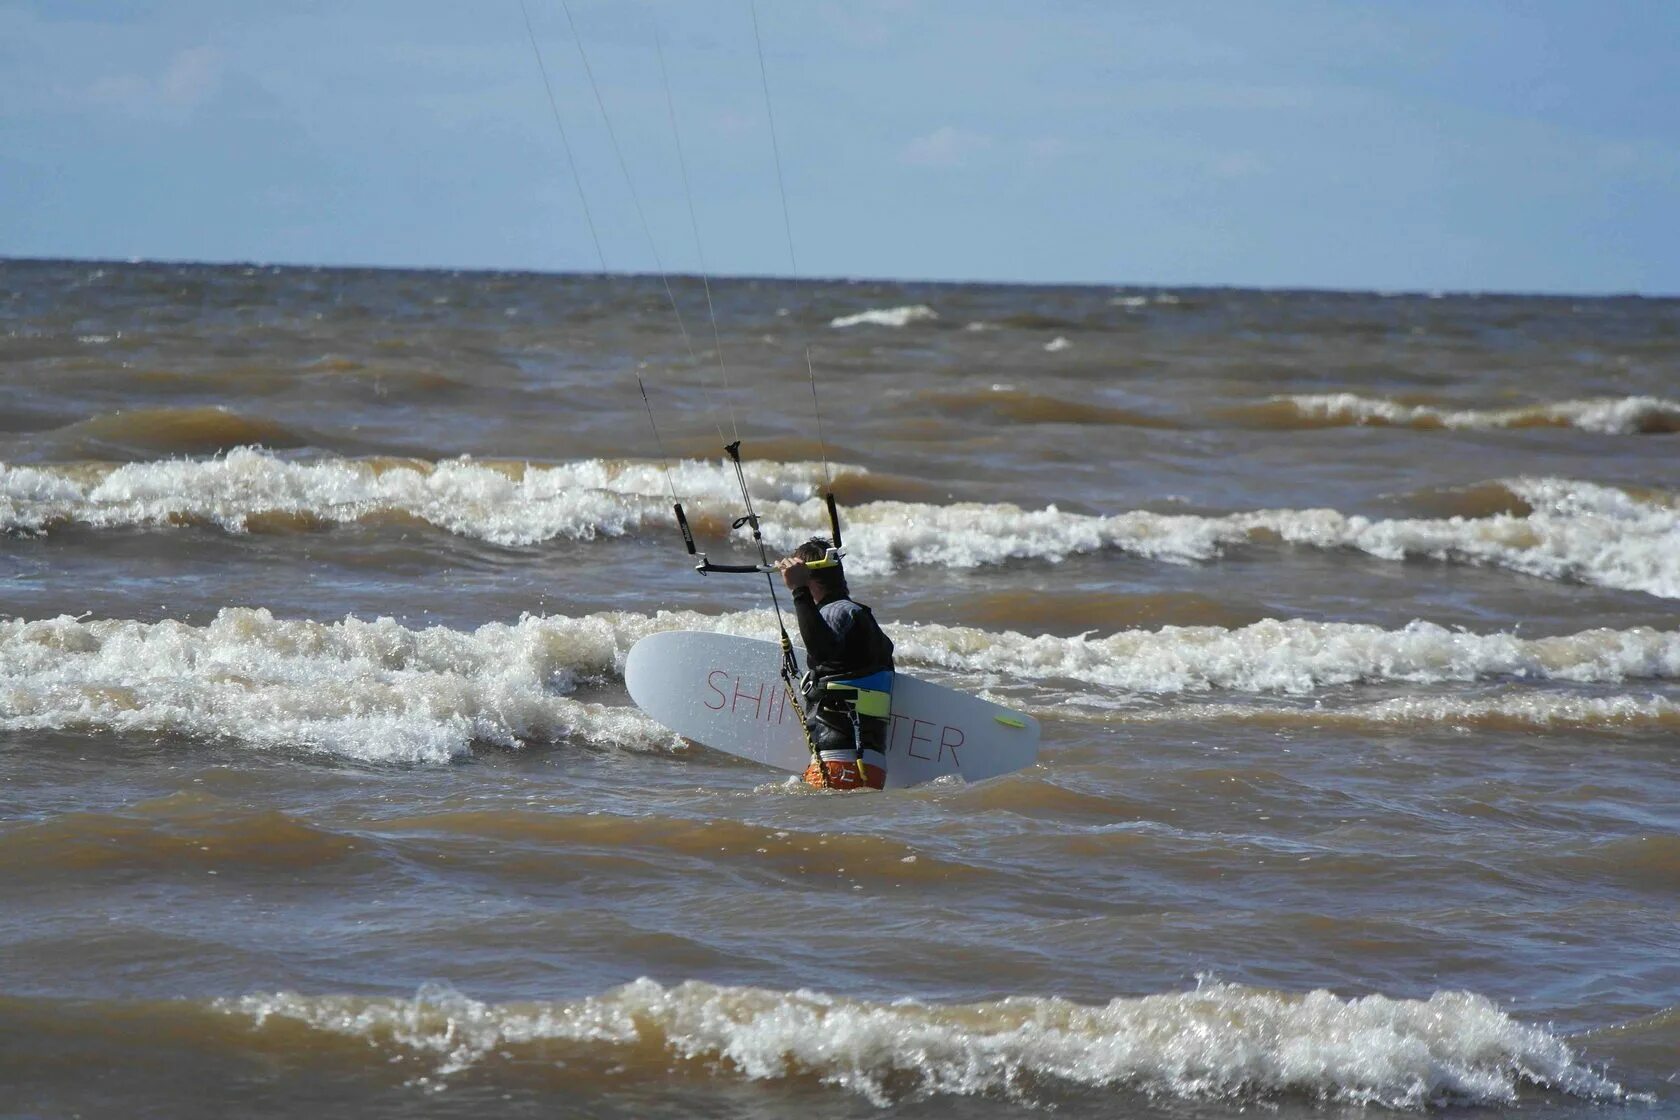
{"x":1219,"y":1042}
{"x":888,"y":317}
{"x":499,"y":501}
{"x":1526,"y":712}
{"x":1578,"y":531}
{"x":1293,"y":656}
{"x":382,"y":692}
{"x":370,"y":691}
{"x":1609,"y":415}
{"x":1132,"y":302}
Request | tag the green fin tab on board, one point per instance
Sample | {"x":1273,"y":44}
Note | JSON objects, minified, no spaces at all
{"x":1009,"y":721}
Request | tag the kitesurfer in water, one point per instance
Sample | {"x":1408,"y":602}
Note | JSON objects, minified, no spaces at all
{"x":849,"y":666}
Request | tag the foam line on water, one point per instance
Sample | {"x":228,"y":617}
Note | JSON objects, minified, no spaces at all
{"x":887,"y":317}
{"x":1607,"y":415}
{"x":382,"y":692}
{"x":1292,"y":655}
{"x":371,"y":691}
{"x":504,"y":503}
{"x":1525,"y":712}
{"x":1219,"y":1041}
{"x":1576,"y":531}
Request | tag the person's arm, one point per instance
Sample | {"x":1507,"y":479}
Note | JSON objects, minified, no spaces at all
{"x":822,"y":644}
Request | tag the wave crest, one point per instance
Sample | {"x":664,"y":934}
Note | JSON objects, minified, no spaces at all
{"x":1293,"y":655}
{"x":504,"y":502}
{"x":1613,"y":537}
{"x":887,"y":317}
{"x":1218,"y":1042}
{"x":1607,"y":415}
{"x":1577,"y":531}
{"x":381,"y":692}
{"x":1530,"y":712}
{"x":369,"y":691}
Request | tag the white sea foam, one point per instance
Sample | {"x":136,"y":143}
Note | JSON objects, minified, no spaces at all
{"x":373,"y":691}
{"x":505,"y":504}
{"x":1526,"y":711}
{"x":1056,"y":345}
{"x":1577,"y":530}
{"x":1611,"y":415}
{"x":1217,"y":1042}
{"x":378,"y":691}
{"x":1292,"y":656}
{"x":888,"y":316}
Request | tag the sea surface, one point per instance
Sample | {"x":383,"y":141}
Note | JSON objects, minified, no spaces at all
{"x":1352,"y":619}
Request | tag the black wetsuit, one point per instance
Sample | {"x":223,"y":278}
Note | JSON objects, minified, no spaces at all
{"x":842,"y":641}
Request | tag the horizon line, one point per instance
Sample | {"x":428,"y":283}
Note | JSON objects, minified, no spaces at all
{"x":1428,"y":293}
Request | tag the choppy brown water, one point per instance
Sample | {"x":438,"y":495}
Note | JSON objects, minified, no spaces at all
{"x":1353,"y":622}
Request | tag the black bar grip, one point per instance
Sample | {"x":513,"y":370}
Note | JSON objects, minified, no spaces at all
{"x":834,"y":519}
{"x":682,"y":523}
{"x":706,"y":567}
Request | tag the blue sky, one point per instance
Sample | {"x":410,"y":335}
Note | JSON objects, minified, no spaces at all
{"x":1421,"y":145}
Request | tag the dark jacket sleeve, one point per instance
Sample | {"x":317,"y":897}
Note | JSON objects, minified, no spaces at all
{"x":822,"y":645}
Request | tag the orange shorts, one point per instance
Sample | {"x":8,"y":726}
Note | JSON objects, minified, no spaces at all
{"x":844,"y":775}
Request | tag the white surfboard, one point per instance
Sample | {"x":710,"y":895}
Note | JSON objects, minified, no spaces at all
{"x":726,"y":692}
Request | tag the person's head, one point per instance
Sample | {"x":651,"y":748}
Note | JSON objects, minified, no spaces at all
{"x":831,"y":580}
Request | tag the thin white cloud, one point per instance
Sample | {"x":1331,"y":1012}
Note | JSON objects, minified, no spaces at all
{"x":945,"y":147}
{"x":189,"y":79}
{"x":116,"y":90}
{"x":192,"y":76}
{"x":1238,"y":165}
{"x":1046,"y":149}
{"x":1632,"y":159}
{"x":733,"y":123}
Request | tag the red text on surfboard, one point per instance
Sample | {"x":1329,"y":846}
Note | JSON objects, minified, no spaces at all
{"x":922,"y":738}
{"x":754,"y":700}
